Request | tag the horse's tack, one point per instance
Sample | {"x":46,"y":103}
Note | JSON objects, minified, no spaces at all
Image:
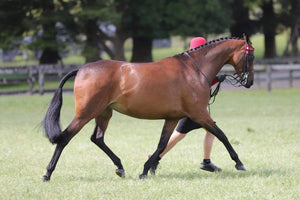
{"x":197,"y":67}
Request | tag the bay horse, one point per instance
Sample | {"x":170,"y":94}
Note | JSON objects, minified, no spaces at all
{"x":169,"y":89}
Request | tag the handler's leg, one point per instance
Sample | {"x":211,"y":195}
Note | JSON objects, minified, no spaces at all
{"x":207,"y":146}
{"x":174,"y":139}
{"x":168,"y":128}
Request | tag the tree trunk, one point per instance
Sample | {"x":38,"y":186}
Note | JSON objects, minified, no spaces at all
{"x":142,"y":49}
{"x":91,"y":50}
{"x":242,"y":23}
{"x":119,"y":45}
{"x":295,"y":29}
{"x":269,"y":23}
{"x":50,"y":53}
{"x":293,"y":42}
{"x":294,"y":39}
{"x":50,"y":56}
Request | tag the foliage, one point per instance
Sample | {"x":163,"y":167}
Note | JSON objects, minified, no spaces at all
{"x":264,"y":130}
{"x":194,"y":17}
{"x":54,"y":24}
{"x":11,"y":27}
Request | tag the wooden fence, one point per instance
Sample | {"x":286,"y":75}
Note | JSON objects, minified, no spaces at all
{"x":32,"y":75}
{"x":264,"y":72}
{"x":272,"y":73}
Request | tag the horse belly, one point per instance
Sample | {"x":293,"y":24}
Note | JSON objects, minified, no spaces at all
{"x":150,"y":105}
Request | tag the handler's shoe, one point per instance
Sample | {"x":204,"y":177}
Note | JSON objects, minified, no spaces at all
{"x":210,"y":167}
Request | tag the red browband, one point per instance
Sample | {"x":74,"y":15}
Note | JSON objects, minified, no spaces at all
{"x":248,"y":49}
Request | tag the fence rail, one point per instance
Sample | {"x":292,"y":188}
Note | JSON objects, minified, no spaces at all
{"x":264,"y":72}
{"x":271,"y":73}
{"x":32,"y":75}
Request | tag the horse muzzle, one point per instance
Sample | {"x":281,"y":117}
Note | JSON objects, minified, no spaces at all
{"x":249,"y":81}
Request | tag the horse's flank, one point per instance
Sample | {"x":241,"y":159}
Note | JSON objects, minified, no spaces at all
{"x":141,"y":90}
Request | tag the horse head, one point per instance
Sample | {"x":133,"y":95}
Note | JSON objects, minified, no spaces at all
{"x":242,"y":61}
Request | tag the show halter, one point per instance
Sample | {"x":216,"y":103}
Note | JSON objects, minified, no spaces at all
{"x":248,"y":58}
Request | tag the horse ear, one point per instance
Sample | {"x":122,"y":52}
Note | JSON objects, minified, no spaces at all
{"x":247,"y":40}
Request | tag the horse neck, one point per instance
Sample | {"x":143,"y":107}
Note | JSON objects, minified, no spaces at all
{"x":212,"y":58}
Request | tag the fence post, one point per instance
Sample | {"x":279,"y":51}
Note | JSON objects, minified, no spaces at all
{"x":269,"y":78}
{"x":41,"y":79}
{"x":258,"y":79}
{"x":291,"y":78}
{"x":30,"y":79}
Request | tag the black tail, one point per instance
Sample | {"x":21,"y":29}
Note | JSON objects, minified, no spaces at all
{"x":51,"y":120}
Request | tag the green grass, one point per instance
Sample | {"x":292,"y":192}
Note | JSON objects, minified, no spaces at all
{"x":263,"y":128}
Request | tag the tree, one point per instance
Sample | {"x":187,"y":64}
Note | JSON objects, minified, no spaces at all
{"x":241,"y":21}
{"x":159,"y":19}
{"x":272,"y":17}
{"x":12,"y":26}
{"x":199,"y":17}
{"x":269,"y":24}
{"x":36,"y":18}
{"x":144,"y":22}
{"x":291,"y":18}
{"x":91,"y":15}
{"x":47,"y":20}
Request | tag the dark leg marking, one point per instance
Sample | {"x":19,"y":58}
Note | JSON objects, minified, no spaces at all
{"x":168,"y":128}
{"x":215,"y":130}
{"x":98,"y":139}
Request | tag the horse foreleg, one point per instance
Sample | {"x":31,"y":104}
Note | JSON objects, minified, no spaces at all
{"x":98,"y":139}
{"x":215,"y":130}
{"x":168,"y":128}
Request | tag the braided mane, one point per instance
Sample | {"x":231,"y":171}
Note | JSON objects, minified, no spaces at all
{"x":222,"y":39}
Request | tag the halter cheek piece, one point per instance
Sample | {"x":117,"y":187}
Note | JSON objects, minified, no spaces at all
{"x":248,"y":57}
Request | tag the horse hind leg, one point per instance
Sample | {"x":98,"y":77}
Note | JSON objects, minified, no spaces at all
{"x":98,"y":138}
{"x":62,"y":142}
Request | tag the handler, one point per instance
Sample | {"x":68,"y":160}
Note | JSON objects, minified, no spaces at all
{"x":186,"y":125}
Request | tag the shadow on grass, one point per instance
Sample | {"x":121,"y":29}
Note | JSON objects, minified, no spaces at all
{"x":190,"y":175}
{"x":225,"y":174}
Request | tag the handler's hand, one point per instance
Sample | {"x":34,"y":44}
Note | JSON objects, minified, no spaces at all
{"x":221,"y":78}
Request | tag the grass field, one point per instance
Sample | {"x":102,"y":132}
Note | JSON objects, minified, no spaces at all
{"x":263,"y":128}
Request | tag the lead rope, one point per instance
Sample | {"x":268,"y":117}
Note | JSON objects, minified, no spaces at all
{"x":197,"y":67}
{"x":214,"y":95}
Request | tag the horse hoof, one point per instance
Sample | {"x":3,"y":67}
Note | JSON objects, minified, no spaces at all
{"x":152,"y":171}
{"x":143,"y":176}
{"x":120,"y":172}
{"x":46,"y":178}
{"x":240,"y":167}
